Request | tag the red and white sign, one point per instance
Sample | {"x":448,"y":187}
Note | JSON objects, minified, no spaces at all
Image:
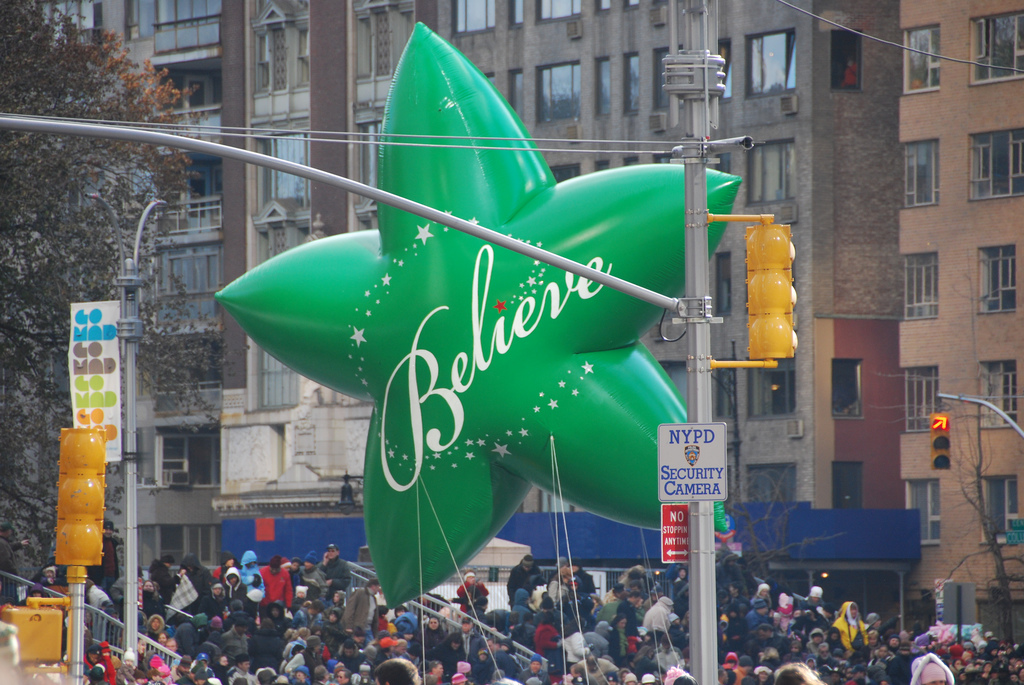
{"x":675,"y":533}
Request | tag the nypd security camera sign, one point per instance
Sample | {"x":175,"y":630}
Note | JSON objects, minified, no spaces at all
{"x":691,"y":462}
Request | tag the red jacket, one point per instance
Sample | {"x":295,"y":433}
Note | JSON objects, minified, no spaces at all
{"x":545,"y":637}
{"x":277,"y":587}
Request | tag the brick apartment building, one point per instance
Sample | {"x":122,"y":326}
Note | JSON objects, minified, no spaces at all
{"x":961,"y":331}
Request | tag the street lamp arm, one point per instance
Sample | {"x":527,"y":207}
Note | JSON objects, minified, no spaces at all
{"x":142,"y":224}
{"x":985,"y":403}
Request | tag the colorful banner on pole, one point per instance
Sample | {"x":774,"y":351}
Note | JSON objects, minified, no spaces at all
{"x":94,"y":360}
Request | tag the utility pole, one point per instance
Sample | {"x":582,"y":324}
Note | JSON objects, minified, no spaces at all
{"x":693,"y":75}
{"x":129,"y":330}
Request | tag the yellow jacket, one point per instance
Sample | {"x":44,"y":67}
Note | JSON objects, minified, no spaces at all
{"x":847,"y":631}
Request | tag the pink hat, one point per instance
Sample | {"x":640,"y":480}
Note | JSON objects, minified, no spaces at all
{"x":458,"y":678}
{"x":931,"y":672}
{"x":462,"y":667}
{"x":159,"y":666}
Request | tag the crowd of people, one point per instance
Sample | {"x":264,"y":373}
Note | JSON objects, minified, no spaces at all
{"x":300,"y":621}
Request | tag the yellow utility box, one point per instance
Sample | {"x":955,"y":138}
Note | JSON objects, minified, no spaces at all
{"x":39,"y":632}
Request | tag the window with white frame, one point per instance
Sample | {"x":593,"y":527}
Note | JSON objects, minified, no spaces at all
{"x":1001,"y":503}
{"x":263,"y":60}
{"x":195,"y":272}
{"x":922,"y":384}
{"x":473,"y":15}
{"x":922,"y":173}
{"x":923,"y":495}
{"x":999,"y":386}
{"x":772,"y":172}
{"x":846,"y":388}
{"x":997,"y":164}
{"x":368,"y":151}
{"x":921,"y":71}
{"x":364,"y":47}
{"x":772,"y":65}
{"x":278,"y":385}
{"x":998,"y":278}
{"x":553,"y":9}
{"x":921,"y":285}
{"x":998,"y":46}
{"x":515,"y":91}
{"x":558,"y":92}
{"x":190,"y":459}
{"x":603,"y":90}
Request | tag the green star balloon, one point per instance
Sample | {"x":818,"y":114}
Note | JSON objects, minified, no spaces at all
{"x":489,"y":371}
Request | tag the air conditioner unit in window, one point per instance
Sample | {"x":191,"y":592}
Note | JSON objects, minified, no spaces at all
{"x":574,"y":29}
{"x":658,"y":121}
{"x":795,"y":428}
{"x":572,"y":131}
{"x":659,"y":16}
{"x":786,"y":214}
{"x":789,"y":104}
{"x":176,"y":479}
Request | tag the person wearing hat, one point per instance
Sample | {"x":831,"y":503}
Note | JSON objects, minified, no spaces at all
{"x":335,"y":570}
{"x":758,"y":614}
{"x":472,"y":595}
{"x":521,"y":577}
{"x":852,"y":631}
{"x":629,"y":678}
{"x":277,"y":583}
{"x":107,"y":571}
{"x":312,"y":577}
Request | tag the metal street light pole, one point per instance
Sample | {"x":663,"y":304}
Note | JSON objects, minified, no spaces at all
{"x":129,"y":330}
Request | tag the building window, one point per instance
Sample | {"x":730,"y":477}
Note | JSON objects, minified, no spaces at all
{"x":565,"y":172}
{"x":278,"y":185}
{"x":846,"y":388}
{"x":604,"y":5}
{"x":303,"y":57}
{"x":192,"y":459}
{"x":921,"y":285}
{"x":773,"y":391}
{"x":998,"y":278}
{"x":772,"y":65}
{"x":922,"y":173}
{"x":1001,"y":506}
{"x":141,"y":17}
{"x":196,"y":272}
{"x":474,"y":15}
{"x":602,"y":164}
{"x":922,"y":384}
{"x":771,"y":483}
{"x":278,"y":385}
{"x":515,"y":91}
{"x":772,"y":172}
{"x":723,"y":282}
{"x":559,"y":92}
{"x":631,"y":92}
{"x":847,"y":484}
{"x":273,"y":239}
{"x":182,"y":25}
{"x":998,"y":42}
{"x":725,"y":51}
{"x":921,"y":72}
{"x":661,"y":98}
{"x":263,"y":59}
{"x":724,"y":393}
{"x":923,"y":495}
{"x":845,"y":60}
{"x":364,"y":48}
{"x":997,"y":164}
{"x":999,"y":386}
{"x":603,"y":74}
{"x":515,"y":9}
{"x":553,"y":9}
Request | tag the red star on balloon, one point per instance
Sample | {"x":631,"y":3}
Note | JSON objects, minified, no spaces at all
{"x":500,"y":306}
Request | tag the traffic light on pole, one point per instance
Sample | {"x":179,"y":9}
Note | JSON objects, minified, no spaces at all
{"x":770,"y":293}
{"x":939,"y":440}
{"x":80,"y":496}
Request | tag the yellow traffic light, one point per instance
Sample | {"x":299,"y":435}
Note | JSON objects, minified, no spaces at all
{"x":770,"y":293}
{"x":80,"y":496}
{"x":939,"y":440}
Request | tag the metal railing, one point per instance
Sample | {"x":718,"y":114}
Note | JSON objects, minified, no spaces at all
{"x":102,"y":625}
{"x":203,"y":214}
{"x":448,"y":614}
